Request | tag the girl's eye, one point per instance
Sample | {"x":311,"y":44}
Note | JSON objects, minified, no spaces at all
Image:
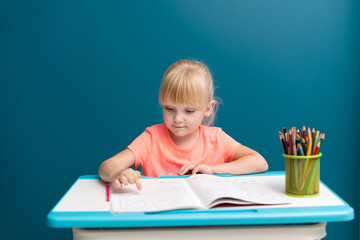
{"x":169,"y":109}
{"x":189,"y":111}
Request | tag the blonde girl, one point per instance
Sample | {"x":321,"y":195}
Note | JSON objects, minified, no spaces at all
{"x":185,"y":143}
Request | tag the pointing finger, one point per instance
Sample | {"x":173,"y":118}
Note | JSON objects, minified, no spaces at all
{"x":138,"y":184}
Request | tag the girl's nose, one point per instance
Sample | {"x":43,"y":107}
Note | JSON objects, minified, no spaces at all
{"x":178,"y":117}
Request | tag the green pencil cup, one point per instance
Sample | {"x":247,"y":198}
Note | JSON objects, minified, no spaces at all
{"x":302,"y":175}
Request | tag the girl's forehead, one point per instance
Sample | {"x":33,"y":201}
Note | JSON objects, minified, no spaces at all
{"x":183,"y":103}
{"x":169,"y":103}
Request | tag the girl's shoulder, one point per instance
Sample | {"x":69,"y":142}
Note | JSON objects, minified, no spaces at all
{"x":156,"y":127}
{"x":211,"y":128}
{"x":211,"y":131}
{"x":156,"y":130}
{"x":217,"y":134}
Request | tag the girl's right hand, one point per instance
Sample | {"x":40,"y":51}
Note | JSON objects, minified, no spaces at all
{"x":126,"y":177}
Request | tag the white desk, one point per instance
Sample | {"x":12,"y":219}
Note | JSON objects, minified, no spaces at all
{"x":84,"y":208}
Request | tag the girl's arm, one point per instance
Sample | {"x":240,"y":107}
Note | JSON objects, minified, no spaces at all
{"x":116,"y":170}
{"x":245,"y":161}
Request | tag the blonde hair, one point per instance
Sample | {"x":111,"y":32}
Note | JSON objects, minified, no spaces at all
{"x":188,"y":82}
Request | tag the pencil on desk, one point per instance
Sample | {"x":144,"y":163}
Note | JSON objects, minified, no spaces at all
{"x":107,"y":192}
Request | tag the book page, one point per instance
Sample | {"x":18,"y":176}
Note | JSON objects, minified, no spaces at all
{"x":252,"y":190}
{"x":213,"y":190}
{"x":155,"y":195}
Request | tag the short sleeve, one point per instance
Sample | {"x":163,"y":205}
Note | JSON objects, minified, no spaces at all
{"x":230,"y":146}
{"x":140,"y":148}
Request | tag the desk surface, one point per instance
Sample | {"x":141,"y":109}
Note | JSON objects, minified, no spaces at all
{"x":85,"y":206}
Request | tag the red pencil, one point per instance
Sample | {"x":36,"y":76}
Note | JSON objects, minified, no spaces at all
{"x":107,"y":193}
{"x":316,"y":150}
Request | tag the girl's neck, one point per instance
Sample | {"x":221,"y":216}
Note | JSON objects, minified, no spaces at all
{"x":187,"y":141}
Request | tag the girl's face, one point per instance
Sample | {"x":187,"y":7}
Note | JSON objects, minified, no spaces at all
{"x":184,"y":120}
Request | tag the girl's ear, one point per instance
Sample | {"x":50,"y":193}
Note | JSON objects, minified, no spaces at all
{"x":209,"y":108}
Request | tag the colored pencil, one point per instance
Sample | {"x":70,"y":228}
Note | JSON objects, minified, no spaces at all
{"x":290,"y":144}
{"x":301,"y":151}
{"x":107,"y":192}
{"x":296,"y":175}
{"x":313,"y":134}
{"x":285,"y":133}
{"x":309,"y":143}
{"x":321,"y":140}
{"x":308,"y":153}
{"x":317,"y":148}
{"x":282,"y":141}
{"x":315,"y":140}
{"x":294,"y":144}
{"x":304,"y":132}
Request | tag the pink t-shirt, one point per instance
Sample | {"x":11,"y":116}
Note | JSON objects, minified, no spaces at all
{"x":158,"y":155}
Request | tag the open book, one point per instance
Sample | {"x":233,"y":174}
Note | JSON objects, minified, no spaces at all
{"x":199,"y":191}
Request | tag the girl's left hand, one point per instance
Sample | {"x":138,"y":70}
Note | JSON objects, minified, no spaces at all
{"x":196,"y":168}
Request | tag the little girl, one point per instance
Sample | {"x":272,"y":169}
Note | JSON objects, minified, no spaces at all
{"x":185,"y":143}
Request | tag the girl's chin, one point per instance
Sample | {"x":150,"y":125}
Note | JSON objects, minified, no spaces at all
{"x":179,"y":132}
{"x":182,"y":132}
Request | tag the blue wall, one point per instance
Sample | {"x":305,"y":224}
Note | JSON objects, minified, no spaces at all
{"x":79,"y":81}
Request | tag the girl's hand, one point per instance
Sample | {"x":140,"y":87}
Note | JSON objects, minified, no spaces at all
{"x":126,"y":177}
{"x":196,"y":168}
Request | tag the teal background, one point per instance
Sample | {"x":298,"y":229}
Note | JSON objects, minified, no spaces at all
{"x":79,"y":81}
